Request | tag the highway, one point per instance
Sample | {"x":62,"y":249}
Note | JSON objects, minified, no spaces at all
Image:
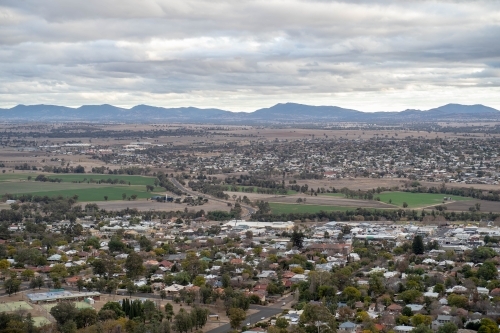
{"x":174,"y":181}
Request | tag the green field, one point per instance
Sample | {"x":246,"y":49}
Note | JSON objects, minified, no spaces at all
{"x":78,"y":184}
{"x":97,"y":194}
{"x":78,"y":177}
{"x":415,"y":199}
{"x":282,"y":208}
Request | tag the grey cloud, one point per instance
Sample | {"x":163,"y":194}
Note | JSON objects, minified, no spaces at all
{"x":200,"y":51}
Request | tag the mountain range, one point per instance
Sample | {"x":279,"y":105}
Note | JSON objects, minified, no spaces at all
{"x":279,"y":113}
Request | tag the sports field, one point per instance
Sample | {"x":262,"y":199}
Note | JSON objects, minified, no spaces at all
{"x":282,"y":208}
{"x":14,"y":306}
{"x":415,"y":200}
{"x":78,"y":305}
{"x":40,"y":321}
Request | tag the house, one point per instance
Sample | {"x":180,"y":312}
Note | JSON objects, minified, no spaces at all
{"x":394,"y":308}
{"x":441,"y":320}
{"x":403,"y":329}
{"x":347,"y":327}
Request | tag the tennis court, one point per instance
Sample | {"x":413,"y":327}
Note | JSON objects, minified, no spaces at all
{"x":78,"y":305}
{"x":40,"y":321}
{"x":14,"y":306}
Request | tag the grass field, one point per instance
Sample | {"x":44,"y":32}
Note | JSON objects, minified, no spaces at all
{"x":85,"y":191}
{"x":97,"y":194}
{"x":415,"y":200}
{"x":282,"y":208}
{"x":84,"y":177}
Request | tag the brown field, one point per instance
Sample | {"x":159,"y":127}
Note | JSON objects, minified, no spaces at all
{"x":486,"y":206}
{"x":143,"y":205}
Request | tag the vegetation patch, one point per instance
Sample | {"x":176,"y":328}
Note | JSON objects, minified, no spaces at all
{"x":414,"y":200}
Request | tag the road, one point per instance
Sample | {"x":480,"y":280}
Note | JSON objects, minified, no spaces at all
{"x":174,"y":181}
{"x":266,"y":312}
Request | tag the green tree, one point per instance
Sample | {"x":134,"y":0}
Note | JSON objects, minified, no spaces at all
{"x":115,"y":307}
{"x":169,"y":311}
{"x":85,"y":317}
{"x":488,"y":326}
{"x":99,"y":267}
{"x":64,"y":312}
{"x":131,"y":288}
{"x":297,"y":238}
{"x":487,"y":271}
{"x":448,"y":328}
{"x":418,"y":245}
{"x":281,"y":323}
{"x":458,"y":301}
{"x":12,"y":286}
{"x":351,"y":293}
{"x":134,"y":266}
{"x":236,"y":317}
{"x":422,"y":329}
{"x":182,"y":321}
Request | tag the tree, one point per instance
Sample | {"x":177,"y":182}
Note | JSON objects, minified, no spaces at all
{"x":85,"y":318}
{"x":448,"y":328}
{"x":105,"y":198}
{"x":487,"y":271}
{"x":458,"y":301}
{"x":12,"y":286}
{"x":236,"y":317}
{"x":418,"y":245}
{"x":27,"y":274}
{"x":4,"y":264}
{"x":420,"y":319}
{"x":64,"y":312}
{"x":282,"y":323}
{"x":297,"y":238}
{"x":488,"y":326}
{"x":407,"y":312}
{"x":131,"y":288}
{"x":124,"y":196}
{"x":422,"y":329}
{"x":163,"y":294}
{"x":99,"y":267}
{"x":351,"y":293}
{"x":182,"y":321}
{"x":169,"y":311}
{"x":115,"y":307}
{"x":199,"y":281}
{"x":226,"y":280}
{"x":410,"y":296}
{"x":405,"y":204}
{"x":134,"y":266}
{"x":79,"y":284}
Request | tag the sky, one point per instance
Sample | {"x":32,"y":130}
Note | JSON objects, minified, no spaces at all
{"x":242,"y":55}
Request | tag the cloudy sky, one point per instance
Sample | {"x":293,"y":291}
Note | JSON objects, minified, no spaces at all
{"x":242,"y":55}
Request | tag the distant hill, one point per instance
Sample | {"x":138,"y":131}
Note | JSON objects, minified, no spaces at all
{"x":279,"y":113}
